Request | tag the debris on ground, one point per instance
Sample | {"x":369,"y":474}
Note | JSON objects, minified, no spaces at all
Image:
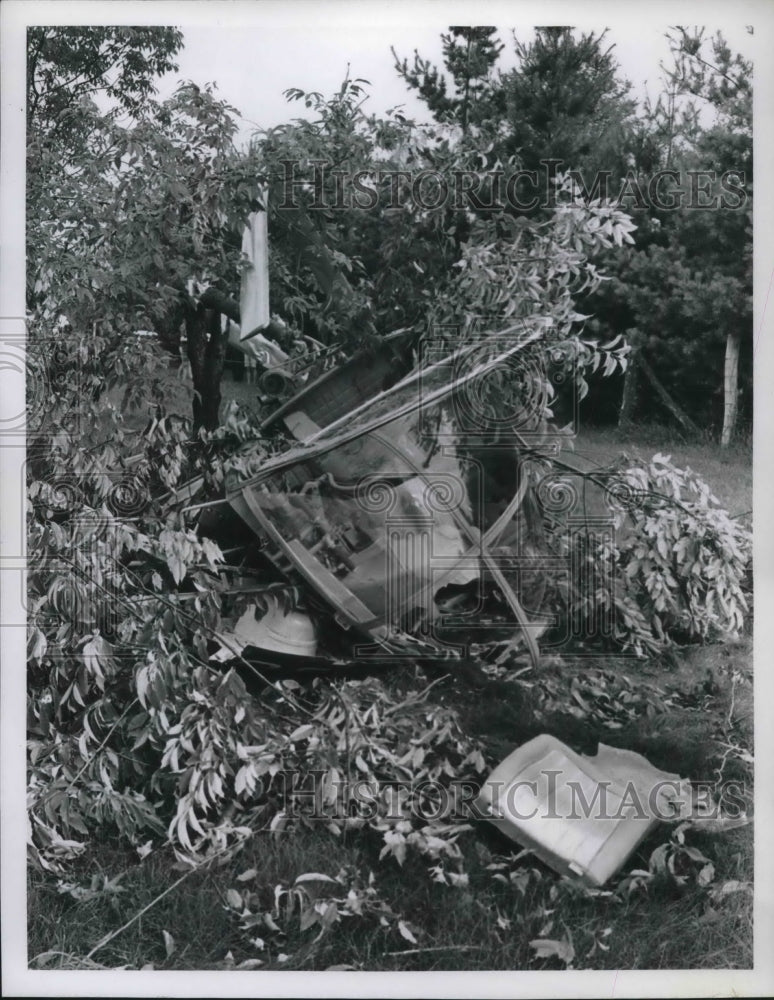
{"x":582,"y":816}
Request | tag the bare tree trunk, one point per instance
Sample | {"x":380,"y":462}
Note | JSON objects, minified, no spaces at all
{"x":730,"y":389}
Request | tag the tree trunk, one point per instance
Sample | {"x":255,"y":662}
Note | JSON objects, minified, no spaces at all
{"x":207,"y":351}
{"x":207,"y":355}
{"x":730,"y":389}
{"x":630,"y":393}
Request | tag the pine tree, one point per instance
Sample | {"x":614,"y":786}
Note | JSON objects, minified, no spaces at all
{"x":565,"y":101}
{"x":470,"y":55}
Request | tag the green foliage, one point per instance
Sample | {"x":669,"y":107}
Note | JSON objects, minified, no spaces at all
{"x":470,"y":55}
{"x":686,"y":560}
{"x":316,"y":267}
{"x":563,"y":100}
{"x":102,"y":553}
{"x":317,"y":903}
{"x":641,"y":919}
{"x":566,"y":101}
{"x":131,"y":727}
{"x":522,"y":276}
{"x":511,"y":270}
{"x":115,"y":235}
{"x":68,"y":66}
{"x":417,"y":259}
{"x":676,"y":570}
{"x":713,"y":73}
{"x":686,"y":286}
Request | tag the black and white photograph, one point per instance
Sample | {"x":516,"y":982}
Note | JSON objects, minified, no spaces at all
{"x":380,"y":390}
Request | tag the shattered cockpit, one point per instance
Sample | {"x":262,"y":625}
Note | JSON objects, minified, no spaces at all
{"x":404,"y":528}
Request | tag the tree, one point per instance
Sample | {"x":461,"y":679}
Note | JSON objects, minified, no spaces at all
{"x":67,"y":67}
{"x":563,"y":101}
{"x":470,"y":55}
{"x":130,"y":202}
{"x":566,"y":101}
{"x":133,"y":205}
{"x":722,"y":79}
{"x":683,"y":294}
{"x":74,"y":145}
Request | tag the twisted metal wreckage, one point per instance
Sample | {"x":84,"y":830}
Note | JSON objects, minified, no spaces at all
{"x":405,"y":507}
{"x":409,"y":516}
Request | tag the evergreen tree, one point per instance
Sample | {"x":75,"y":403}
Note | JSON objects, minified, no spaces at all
{"x":470,"y":55}
{"x":565,"y":101}
{"x":683,"y":293}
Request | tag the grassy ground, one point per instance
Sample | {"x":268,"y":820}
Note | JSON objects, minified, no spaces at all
{"x":703,"y":705}
{"x":486,"y":924}
{"x":729,"y":473}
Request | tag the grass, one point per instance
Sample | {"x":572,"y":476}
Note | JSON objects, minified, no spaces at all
{"x":486,"y":926}
{"x":728,"y":472}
